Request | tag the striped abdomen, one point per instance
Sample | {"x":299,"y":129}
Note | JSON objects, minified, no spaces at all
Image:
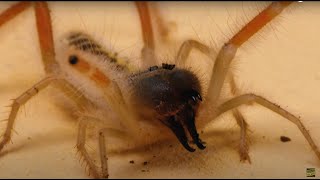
{"x":84,"y":42}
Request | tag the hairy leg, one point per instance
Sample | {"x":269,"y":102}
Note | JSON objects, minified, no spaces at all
{"x":244,"y":137}
{"x":163,"y":26}
{"x":148,"y":50}
{"x":249,"y":98}
{"x":82,"y":149}
{"x":103,"y":153}
{"x":244,"y":140}
{"x":228,"y":51}
{"x":104,"y":133}
{"x":13,"y":11}
{"x":18,"y":102}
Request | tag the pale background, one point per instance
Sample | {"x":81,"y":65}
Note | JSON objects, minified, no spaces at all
{"x":282,"y":63}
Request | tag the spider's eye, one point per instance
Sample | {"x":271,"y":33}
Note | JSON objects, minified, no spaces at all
{"x":73,"y":59}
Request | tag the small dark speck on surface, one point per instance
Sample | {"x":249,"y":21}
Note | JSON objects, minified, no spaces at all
{"x":131,"y":162}
{"x":284,"y":139}
{"x":143,"y":170}
{"x":145,"y":163}
{"x":29,"y":138}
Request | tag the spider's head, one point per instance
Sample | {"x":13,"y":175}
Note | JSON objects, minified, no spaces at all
{"x":172,"y":96}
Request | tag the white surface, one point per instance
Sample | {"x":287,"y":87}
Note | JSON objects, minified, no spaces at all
{"x":281,"y":63}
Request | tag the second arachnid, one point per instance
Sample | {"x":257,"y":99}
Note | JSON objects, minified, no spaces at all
{"x":163,"y":100}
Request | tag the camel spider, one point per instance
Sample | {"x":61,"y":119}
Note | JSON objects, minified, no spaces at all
{"x":208,"y":109}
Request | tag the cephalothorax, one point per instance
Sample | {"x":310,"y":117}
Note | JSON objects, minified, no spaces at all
{"x":170,"y":95}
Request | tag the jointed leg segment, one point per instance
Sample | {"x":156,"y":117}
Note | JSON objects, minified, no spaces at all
{"x":247,"y":98}
{"x":162,"y":26}
{"x":226,"y":55}
{"x":148,"y":50}
{"x":244,"y":137}
{"x":103,"y":134}
{"x":22,"y":99}
{"x":103,"y":153}
{"x":229,"y":50}
{"x":82,"y":149}
{"x":186,"y":48}
{"x":45,"y":35}
{"x":243,"y":144}
{"x":13,"y":11}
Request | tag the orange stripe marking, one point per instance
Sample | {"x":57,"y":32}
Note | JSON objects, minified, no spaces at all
{"x":100,"y":78}
{"x":84,"y":67}
{"x":258,"y":22}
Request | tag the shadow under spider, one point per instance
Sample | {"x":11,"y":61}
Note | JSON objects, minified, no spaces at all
{"x":39,"y":140}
